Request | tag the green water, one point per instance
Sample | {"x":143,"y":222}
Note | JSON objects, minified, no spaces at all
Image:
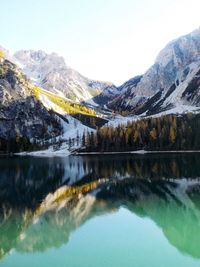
{"x":146,"y":214}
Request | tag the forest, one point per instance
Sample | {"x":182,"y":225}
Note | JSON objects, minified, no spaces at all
{"x":165,"y":133}
{"x":17,"y":144}
{"x":169,"y":132}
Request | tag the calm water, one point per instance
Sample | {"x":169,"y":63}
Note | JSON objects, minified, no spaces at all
{"x":109,"y":211}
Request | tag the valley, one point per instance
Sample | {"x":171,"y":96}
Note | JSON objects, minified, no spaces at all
{"x":99,"y":133}
{"x":51,"y":107}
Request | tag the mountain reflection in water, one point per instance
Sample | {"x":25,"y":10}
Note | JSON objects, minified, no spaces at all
{"x":147,"y":186}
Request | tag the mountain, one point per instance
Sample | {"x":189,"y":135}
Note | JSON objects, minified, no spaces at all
{"x":33,"y":118}
{"x":44,"y":99}
{"x":50,"y":72}
{"x":172,"y":82}
{"x":21,"y":114}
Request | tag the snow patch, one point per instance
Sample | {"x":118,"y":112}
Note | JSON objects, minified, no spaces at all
{"x":72,"y":128}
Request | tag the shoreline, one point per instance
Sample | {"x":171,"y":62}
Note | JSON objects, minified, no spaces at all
{"x":66,"y":153}
{"x":140,"y":152}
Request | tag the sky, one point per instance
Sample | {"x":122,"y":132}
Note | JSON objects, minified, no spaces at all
{"x":110,"y":40}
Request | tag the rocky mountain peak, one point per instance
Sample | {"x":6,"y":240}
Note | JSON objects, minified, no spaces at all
{"x":51,"y":72}
{"x":40,"y":59}
{"x":173,"y":79}
{"x":181,"y":51}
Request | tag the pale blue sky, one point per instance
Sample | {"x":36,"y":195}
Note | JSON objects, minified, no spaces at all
{"x":111,"y":40}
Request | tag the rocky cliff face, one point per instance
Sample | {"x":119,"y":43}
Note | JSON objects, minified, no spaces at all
{"x":51,"y":73}
{"x":21,"y":114}
{"x":173,"y":79}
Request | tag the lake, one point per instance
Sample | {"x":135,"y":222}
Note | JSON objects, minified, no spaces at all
{"x":100,"y":211}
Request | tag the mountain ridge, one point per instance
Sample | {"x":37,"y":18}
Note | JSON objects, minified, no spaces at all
{"x":149,"y":93}
{"x":177,"y":60}
{"x":51,"y":72}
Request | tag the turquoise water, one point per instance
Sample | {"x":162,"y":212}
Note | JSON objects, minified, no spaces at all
{"x":126,"y":222}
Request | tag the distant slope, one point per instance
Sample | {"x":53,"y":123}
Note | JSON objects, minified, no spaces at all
{"x":65,"y":107}
{"x":50,"y":72}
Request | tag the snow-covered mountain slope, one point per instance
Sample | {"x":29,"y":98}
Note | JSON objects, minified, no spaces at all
{"x":72,"y":130}
{"x":30,"y":112}
{"x":50,"y":72}
{"x":21,"y":114}
{"x":172,"y":81}
{"x":71,"y":126}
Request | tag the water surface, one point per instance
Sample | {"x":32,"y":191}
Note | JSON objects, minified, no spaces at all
{"x":134,"y":210}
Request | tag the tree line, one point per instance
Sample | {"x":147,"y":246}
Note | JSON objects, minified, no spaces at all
{"x":17,"y":144}
{"x":169,"y":132}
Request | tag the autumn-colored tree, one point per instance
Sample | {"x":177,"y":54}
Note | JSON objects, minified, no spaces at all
{"x":1,"y":54}
{"x":172,"y":135}
{"x":153,"y":134}
{"x":162,"y":133}
{"x":136,"y":136}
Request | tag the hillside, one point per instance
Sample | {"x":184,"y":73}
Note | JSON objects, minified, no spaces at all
{"x":23,"y":119}
{"x":63,"y":106}
{"x":171,"y":83}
